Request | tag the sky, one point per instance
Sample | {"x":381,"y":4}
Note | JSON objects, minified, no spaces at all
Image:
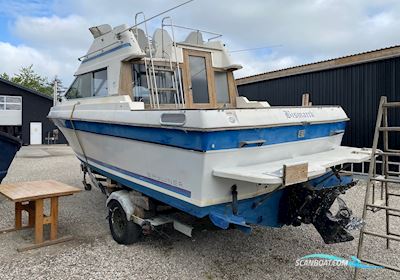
{"x":52,"y":34}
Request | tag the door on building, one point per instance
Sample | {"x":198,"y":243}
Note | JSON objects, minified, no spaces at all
{"x":36,"y":133}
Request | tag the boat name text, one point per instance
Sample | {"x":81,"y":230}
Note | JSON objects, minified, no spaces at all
{"x":298,"y":115}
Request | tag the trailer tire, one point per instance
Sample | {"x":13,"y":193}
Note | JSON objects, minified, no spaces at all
{"x":122,"y":230}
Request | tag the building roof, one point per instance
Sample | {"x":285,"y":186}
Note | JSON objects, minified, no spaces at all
{"x":26,"y":89}
{"x":343,"y":61}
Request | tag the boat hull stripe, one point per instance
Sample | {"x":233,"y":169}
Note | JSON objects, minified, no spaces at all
{"x":211,"y":140}
{"x":140,"y":177}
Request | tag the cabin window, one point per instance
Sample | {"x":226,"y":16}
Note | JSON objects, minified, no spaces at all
{"x":198,"y":75}
{"x":165,"y":81}
{"x":100,"y":83}
{"x":140,"y":88}
{"x":81,"y":87}
{"x":221,"y":87}
{"x":89,"y":84}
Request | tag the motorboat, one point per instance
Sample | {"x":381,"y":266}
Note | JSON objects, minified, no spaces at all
{"x":9,"y":146}
{"x":153,"y":118}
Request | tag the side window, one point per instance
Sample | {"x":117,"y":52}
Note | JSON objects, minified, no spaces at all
{"x":85,"y":85}
{"x":100,"y":83}
{"x":221,"y":87}
{"x":72,"y":92}
{"x":89,"y":84}
{"x":140,"y":88}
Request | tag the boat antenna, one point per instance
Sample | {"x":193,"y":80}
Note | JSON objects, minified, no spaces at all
{"x":259,"y":48}
{"x":157,"y":15}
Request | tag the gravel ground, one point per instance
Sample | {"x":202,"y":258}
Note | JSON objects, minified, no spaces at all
{"x":267,"y":253}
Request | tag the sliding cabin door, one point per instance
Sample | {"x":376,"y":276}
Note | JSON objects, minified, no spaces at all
{"x":205,"y":86}
{"x":199,"y":80}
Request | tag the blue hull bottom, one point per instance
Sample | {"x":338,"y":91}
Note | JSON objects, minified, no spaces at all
{"x":9,"y":146}
{"x":261,"y":210}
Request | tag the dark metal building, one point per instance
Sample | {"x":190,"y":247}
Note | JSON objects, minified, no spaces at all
{"x":23,"y":113}
{"x":354,"y":82}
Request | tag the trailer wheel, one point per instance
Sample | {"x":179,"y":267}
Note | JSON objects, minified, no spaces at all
{"x":123,"y":231}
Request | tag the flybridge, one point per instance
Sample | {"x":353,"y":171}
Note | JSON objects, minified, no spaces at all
{"x":157,"y":70}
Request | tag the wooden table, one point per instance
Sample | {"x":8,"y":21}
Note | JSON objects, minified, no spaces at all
{"x":30,"y":196}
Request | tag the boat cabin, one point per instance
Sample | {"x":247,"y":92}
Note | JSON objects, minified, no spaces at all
{"x":157,"y":71}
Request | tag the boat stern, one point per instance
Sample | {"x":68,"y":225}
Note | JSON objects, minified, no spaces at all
{"x":303,"y":203}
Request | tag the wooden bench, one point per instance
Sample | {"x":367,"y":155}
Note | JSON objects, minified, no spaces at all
{"x":29,"y":197}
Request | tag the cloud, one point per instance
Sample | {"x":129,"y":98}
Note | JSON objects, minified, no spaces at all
{"x":52,"y":44}
{"x":14,"y":57}
{"x":263,"y":63}
{"x":70,"y":32}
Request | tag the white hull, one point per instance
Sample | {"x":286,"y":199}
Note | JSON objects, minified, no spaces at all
{"x":186,"y":169}
{"x":190,"y":142}
{"x":196,"y":163}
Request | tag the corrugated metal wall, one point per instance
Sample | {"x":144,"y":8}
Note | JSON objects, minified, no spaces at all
{"x":356,"y":88}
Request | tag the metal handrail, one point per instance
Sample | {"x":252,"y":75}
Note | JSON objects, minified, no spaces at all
{"x":99,"y":50}
{"x":153,"y":81}
{"x":217,"y":35}
{"x":178,"y":82}
{"x":150,"y":18}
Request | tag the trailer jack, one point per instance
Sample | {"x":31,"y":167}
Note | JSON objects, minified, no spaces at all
{"x":93,"y":179}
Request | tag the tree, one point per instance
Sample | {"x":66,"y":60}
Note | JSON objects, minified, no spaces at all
{"x":5,"y":76}
{"x":27,"y":77}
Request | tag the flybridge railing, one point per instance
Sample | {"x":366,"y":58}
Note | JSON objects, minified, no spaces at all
{"x":150,"y":18}
{"x":216,"y":35}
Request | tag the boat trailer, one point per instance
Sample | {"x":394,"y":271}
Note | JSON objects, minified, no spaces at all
{"x":133,"y":214}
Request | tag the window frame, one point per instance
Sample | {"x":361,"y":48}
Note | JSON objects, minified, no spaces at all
{"x":6,"y":101}
{"x":188,"y":83}
{"x":91,"y":84}
{"x":106,"y":83}
{"x":232,"y":91}
{"x":216,"y":70}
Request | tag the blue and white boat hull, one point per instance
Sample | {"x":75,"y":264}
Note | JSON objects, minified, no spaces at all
{"x":194,"y":169}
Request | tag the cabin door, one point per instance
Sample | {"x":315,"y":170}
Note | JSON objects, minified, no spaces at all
{"x":198,"y":85}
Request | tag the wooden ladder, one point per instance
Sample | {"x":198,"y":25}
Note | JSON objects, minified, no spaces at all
{"x":371,"y":204}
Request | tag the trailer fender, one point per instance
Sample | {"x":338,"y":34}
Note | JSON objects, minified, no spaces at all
{"x":124,"y":199}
